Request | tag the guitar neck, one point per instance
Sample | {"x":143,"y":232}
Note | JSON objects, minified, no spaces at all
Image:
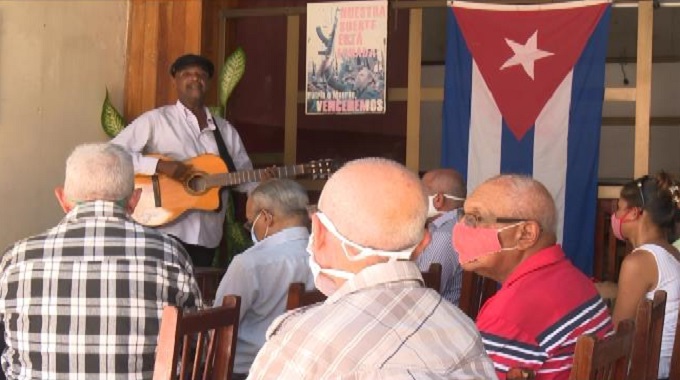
{"x":256,"y":175}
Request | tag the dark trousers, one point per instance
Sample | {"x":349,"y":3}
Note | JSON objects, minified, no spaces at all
{"x":201,"y":256}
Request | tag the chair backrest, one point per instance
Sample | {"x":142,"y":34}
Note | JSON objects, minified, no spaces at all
{"x":475,"y":290}
{"x":675,"y":358}
{"x":204,"y":342}
{"x":299,"y":297}
{"x":604,"y":359}
{"x":208,"y":280}
{"x":648,"y":332}
{"x":433,"y":277}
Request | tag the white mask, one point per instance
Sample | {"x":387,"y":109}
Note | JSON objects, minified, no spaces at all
{"x":431,"y":210}
{"x":252,"y":230}
{"x":324,"y":284}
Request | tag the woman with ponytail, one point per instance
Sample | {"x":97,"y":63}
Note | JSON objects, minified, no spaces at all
{"x":647,"y":211}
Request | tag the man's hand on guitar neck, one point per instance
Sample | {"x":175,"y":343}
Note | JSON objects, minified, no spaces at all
{"x":173,"y":169}
{"x":269,"y":173}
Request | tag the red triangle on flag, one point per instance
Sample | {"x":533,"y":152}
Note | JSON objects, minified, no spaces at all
{"x":525,"y":52}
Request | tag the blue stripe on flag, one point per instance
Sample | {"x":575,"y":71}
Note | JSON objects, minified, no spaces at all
{"x":517,"y":156}
{"x":583,"y":150}
{"x":456,"y":112}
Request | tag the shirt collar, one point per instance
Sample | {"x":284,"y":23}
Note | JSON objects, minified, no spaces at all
{"x":444,"y":217}
{"x":546,"y":257}
{"x":93,"y":209}
{"x":396,"y":271}
{"x":287,"y":234}
{"x":187,"y":113}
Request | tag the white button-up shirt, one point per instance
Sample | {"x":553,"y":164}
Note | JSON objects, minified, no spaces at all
{"x":173,"y":131}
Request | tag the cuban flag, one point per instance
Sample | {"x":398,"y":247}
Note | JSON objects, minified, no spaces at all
{"x":523,"y":94}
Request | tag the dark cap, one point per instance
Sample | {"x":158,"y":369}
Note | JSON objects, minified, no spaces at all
{"x":192,"y":60}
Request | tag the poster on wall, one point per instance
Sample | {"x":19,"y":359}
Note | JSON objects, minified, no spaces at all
{"x":346,"y":58}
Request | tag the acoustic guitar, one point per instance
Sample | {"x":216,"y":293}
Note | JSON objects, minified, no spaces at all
{"x":164,"y":199}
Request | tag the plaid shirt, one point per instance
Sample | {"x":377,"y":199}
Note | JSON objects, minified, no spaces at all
{"x":84,"y":299}
{"x":381,"y":324}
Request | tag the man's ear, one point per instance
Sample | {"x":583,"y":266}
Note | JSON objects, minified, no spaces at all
{"x":319,"y":232}
{"x":529,"y":233}
{"x":438,"y":201}
{"x":133,"y":200}
{"x":63,"y":201}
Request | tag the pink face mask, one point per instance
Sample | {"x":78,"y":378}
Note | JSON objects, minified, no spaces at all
{"x":616,"y":225}
{"x":471,"y":243}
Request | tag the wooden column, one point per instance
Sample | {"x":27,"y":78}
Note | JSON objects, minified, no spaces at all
{"x":643,"y":86}
{"x":290,"y":118}
{"x":158,"y":32}
{"x":415,"y":33}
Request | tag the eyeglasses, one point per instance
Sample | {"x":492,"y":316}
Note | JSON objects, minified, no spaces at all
{"x":473,"y":220}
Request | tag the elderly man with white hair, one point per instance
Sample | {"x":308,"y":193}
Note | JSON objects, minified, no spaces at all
{"x":507,"y":232}
{"x":84,"y":299}
{"x":277,"y":218}
{"x":379,"y":320}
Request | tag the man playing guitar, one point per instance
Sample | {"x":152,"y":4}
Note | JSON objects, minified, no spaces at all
{"x":182,"y":131}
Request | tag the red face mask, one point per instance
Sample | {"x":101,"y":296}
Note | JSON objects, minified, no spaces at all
{"x":616,"y":224}
{"x":471,"y":243}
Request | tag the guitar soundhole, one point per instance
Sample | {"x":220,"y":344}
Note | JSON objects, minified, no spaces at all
{"x":197,"y":184}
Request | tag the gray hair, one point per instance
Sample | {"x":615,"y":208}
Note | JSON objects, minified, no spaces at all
{"x":377,"y":203}
{"x":281,"y":196}
{"x":530,"y":199}
{"x":98,"y":171}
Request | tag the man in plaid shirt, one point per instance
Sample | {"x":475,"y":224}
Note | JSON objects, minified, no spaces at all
{"x":379,"y":321}
{"x":83,"y":300}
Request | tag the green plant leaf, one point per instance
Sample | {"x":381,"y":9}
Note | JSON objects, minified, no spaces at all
{"x":112,"y":121}
{"x":231,"y":74}
{"x":216,"y":111}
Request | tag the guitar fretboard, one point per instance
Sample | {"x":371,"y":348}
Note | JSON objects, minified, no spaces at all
{"x":237,"y":178}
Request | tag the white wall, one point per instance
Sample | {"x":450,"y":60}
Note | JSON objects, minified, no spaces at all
{"x":56,"y":59}
{"x":616,"y":144}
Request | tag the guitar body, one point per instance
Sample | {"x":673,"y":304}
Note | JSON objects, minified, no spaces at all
{"x":164,"y":199}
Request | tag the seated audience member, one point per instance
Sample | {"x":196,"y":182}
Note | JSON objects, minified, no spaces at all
{"x":507,"y":233}
{"x":646,"y":211}
{"x":277,"y":214}
{"x":379,"y":320}
{"x":84,"y":299}
{"x":446,"y":192}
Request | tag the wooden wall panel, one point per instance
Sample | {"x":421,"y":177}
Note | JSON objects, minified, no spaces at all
{"x":158,"y":32}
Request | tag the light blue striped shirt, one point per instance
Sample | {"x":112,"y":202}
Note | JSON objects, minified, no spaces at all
{"x":440,"y":250}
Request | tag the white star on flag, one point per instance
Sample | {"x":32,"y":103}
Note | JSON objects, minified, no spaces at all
{"x":525,"y":55}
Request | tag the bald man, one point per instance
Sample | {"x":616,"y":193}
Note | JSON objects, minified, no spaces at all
{"x":507,"y":233}
{"x":445,"y":189}
{"x":379,"y":321}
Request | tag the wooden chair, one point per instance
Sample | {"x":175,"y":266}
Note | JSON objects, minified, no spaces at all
{"x":648,"y":332}
{"x":675,"y":358}
{"x":474,"y":292}
{"x":299,"y":297}
{"x":433,"y":277}
{"x":208,"y":280}
{"x":214,"y":329}
{"x":605,"y":359}
{"x":520,"y":374}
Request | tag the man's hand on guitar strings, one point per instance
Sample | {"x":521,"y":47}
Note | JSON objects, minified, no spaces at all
{"x":173,"y":169}
{"x":269,"y":173}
